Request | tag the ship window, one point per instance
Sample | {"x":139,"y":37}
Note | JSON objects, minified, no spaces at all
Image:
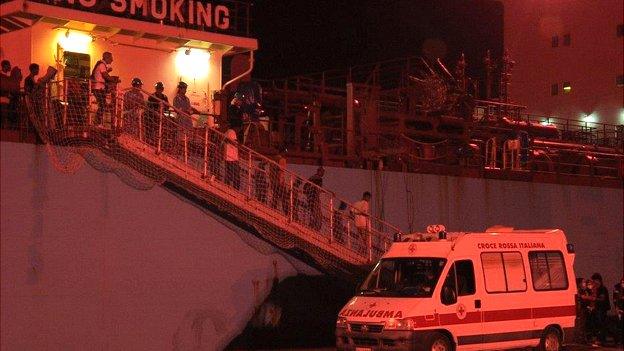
{"x":503,"y":272}
{"x":554,"y":89}
{"x":619,"y":81}
{"x":620,"y":30}
{"x":548,"y":270}
{"x":567,"y":88}
{"x":567,"y":40}
{"x":554,"y":42}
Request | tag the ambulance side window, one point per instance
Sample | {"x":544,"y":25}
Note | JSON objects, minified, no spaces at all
{"x":503,"y":272}
{"x":465,"y":278}
{"x":459,"y":282}
{"x":548,"y":270}
{"x":449,"y":289}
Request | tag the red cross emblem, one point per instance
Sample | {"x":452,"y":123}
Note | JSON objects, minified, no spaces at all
{"x":461,"y":311}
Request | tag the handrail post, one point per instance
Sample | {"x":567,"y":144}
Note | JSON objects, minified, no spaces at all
{"x":249,"y":175}
{"x":46,"y":106}
{"x":116,"y":109}
{"x":89,"y":114}
{"x":331,"y":220}
{"x":349,"y":233}
{"x":124,"y":114}
{"x":141,"y":127}
{"x":205,"y":173}
{"x":291,"y":200}
{"x":65,"y":103}
{"x":370,"y":245}
{"x":185,"y":148}
{"x":160,"y":127}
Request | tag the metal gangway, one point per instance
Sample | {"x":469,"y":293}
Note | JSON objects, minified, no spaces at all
{"x":143,"y":136}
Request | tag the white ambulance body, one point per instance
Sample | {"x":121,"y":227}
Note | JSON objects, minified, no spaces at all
{"x":496,"y":290}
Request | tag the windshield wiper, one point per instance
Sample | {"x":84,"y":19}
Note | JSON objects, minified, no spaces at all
{"x":371,"y":291}
{"x":368,"y":292}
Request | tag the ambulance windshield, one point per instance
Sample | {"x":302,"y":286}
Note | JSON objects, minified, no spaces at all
{"x":403,"y":277}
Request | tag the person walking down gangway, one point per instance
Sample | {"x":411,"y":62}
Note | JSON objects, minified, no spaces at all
{"x":184,"y":120}
{"x":230,"y":154}
{"x":261,"y":182}
{"x":235,"y":114}
{"x":361,"y":217}
{"x":280,"y":193}
{"x":133,"y":106}
{"x":157,"y":104}
{"x":313,"y":196}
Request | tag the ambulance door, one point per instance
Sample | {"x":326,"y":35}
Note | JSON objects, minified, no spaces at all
{"x":507,"y":316}
{"x":460,"y":307}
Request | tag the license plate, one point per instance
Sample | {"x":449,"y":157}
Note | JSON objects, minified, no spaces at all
{"x":363,"y":349}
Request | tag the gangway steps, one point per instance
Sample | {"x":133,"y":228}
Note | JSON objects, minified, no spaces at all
{"x":226,"y":201}
{"x":161,"y":142}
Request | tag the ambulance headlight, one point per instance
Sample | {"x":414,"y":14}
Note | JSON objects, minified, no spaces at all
{"x":400,"y":324}
{"x":341,"y":322}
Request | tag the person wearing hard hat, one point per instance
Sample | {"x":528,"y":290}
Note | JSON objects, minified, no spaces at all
{"x":182,"y":102}
{"x":133,"y":105}
{"x":184,"y":110}
{"x":157,"y":104}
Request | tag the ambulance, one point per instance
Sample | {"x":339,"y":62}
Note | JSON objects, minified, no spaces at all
{"x":501,"y":289}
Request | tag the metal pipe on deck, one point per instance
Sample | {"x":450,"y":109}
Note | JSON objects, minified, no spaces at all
{"x":251,"y":66}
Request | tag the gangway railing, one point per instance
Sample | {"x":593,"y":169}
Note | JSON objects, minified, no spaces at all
{"x":156,"y":139}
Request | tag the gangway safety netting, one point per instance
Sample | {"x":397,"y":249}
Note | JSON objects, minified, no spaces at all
{"x":146,"y":141}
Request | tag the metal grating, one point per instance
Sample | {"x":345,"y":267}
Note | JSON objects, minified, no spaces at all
{"x":366,"y":328}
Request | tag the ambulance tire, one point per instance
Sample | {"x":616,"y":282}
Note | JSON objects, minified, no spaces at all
{"x":551,"y":340}
{"x":439,"y":342}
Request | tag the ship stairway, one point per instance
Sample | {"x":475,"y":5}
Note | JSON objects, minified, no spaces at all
{"x":151,"y":140}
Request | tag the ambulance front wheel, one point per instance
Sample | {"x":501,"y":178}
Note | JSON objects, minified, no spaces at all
{"x":551,"y":340}
{"x":439,"y":342}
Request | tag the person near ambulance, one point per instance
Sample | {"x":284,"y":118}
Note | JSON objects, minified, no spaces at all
{"x":99,"y":77}
{"x":599,"y":305}
{"x":618,"y":302}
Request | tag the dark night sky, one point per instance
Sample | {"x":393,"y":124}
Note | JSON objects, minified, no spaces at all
{"x":299,"y":36}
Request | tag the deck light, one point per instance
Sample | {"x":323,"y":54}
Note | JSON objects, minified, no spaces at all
{"x":589,"y":118}
{"x":192,"y":63}
{"x":75,"y":41}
